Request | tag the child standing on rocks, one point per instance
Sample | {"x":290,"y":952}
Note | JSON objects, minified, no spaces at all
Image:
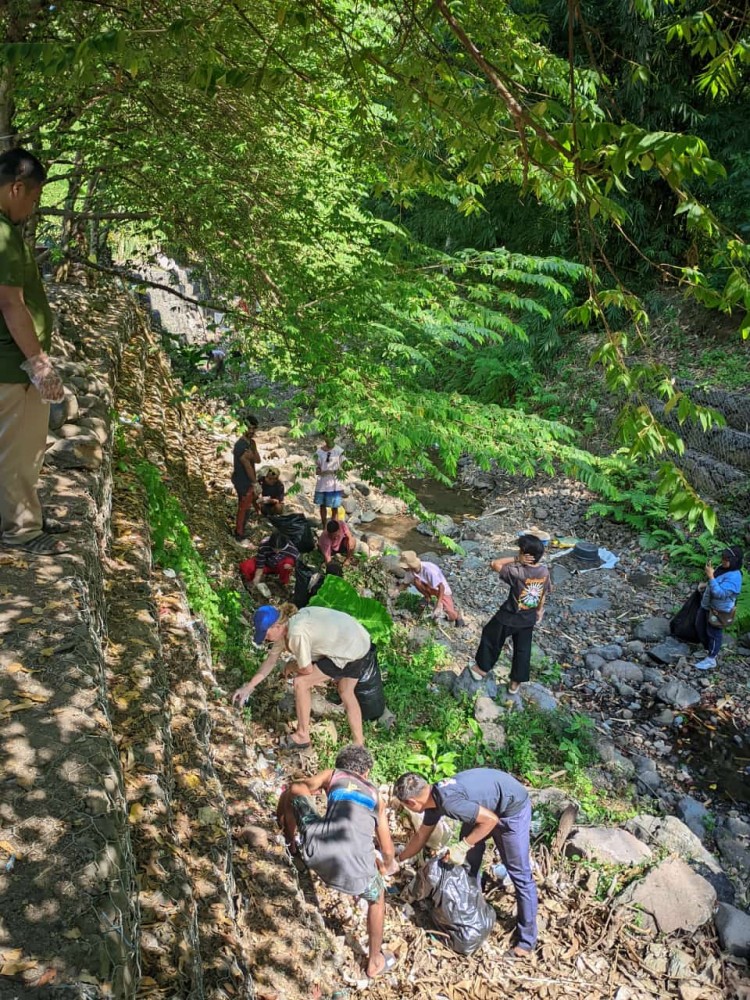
{"x":328,"y":462}
{"x":246,"y":457}
{"x":529,"y":586}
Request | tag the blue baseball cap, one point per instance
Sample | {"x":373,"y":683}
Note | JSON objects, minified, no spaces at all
{"x":263,"y":619}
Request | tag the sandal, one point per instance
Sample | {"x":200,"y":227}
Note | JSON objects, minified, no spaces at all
{"x":54,"y":527}
{"x":287,"y":743}
{"x":43,"y":545}
{"x":517,"y":954}
{"x":514,"y":687}
{"x":389,"y":963}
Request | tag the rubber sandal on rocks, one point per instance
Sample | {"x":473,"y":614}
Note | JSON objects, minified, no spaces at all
{"x":389,"y":964}
{"x":517,"y":954}
{"x":43,"y":545}
{"x":287,"y":743}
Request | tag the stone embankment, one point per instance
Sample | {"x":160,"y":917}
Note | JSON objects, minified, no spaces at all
{"x":125,"y":781}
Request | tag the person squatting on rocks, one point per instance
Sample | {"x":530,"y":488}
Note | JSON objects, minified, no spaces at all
{"x":277,"y":556}
{"x":340,"y":845}
{"x":244,"y":479}
{"x":272,"y":492}
{"x":337,"y":540}
{"x":719,"y":600}
{"x":28,"y":380}
{"x":328,"y":462}
{"x":327,"y":645}
{"x":489,"y":803}
{"x":523,"y":608}
{"x":430,"y":581}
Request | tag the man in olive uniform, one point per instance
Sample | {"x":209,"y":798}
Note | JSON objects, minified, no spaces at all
{"x":28,"y":380}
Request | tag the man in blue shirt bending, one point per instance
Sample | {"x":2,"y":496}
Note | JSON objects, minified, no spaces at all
{"x":488,"y":803}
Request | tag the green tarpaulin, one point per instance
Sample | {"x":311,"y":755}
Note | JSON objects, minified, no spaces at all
{"x":341,"y":596}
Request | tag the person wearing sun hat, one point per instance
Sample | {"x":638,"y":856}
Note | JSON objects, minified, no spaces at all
{"x":327,"y":645}
{"x":430,"y":581}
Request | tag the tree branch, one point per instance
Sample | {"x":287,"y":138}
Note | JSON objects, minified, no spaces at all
{"x":98,"y":216}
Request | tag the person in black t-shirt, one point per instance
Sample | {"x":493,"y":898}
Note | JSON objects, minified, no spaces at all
{"x":489,"y":803}
{"x":244,"y":479}
{"x":529,"y":586}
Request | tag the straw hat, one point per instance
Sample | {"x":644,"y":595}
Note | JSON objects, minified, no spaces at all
{"x":410,"y":560}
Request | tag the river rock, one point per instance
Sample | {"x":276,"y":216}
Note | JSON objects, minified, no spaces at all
{"x":465,"y":684}
{"x":538,"y":695}
{"x":733,"y":927}
{"x":554,"y":799}
{"x":694,"y":815}
{"x":64,"y":412}
{"x":350,"y":505}
{"x":678,"y":694}
{"x":587,"y":605}
{"x":76,"y":453}
{"x":665,"y":717}
{"x":671,"y":897}
{"x":738,"y":827}
{"x":669,"y":651}
{"x":445,"y":679}
{"x":733,"y":851}
{"x":635,"y":647}
{"x":388,"y":509}
{"x":606,"y":845}
{"x":593,"y":661}
{"x":387,"y":720}
{"x":618,"y":763}
{"x":486,"y":710}
{"x":392,"y":565}
{"x":559,"y":574}
{"x":68,"y":431}
{"x":93,"y":405}
{"x":673,"y":835}
{"x":367,"y":516}
{"x":612,"y":651}
{"x":321,"y":707}
{"x":653,"y":676}
{"x":493,"y":735}
{"x":623,"y":672}
{"x":98,"y":427}
{"x":652,"y":629}
{"x":362,"y":488}
{"x":473,"y":563}
{"x":443,"y":525}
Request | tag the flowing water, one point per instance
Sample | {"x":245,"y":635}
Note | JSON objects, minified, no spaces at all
{"x":717,"y":755}
{"x":436,"y":497}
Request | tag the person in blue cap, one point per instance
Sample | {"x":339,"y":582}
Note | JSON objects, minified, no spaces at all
{"x":327,"y":645}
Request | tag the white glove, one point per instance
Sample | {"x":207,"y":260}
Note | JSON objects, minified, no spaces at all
{"x":43,"y":376}
{"x":457,"y":852}
{"x":263,"y":589}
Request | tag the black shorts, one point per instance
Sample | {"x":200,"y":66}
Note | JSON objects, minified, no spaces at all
{"x":354,"y":668}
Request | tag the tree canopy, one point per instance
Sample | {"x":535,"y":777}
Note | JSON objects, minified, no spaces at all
{"x":409,"y":195}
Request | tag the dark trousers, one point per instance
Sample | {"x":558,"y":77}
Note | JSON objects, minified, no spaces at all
{"x":710,"y":636}
{"x":494,"y":634}
{"x":511,"y":837}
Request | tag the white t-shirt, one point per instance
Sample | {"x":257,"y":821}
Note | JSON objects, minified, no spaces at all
{"x":433,"y":576}
{"x":329,"y":462}
{"x":316,"y":632}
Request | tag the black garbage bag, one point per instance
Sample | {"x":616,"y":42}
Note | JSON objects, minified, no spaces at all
{"x":308,"y":581}
{"x":297,"y":529}
{"x":456,"y":904}
{"x":682,"y":626}
{"x":369,"y":690}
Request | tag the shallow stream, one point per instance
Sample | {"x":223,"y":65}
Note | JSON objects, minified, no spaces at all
{"x":436,"y":497}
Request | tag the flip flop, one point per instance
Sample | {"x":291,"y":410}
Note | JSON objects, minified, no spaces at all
{"x":287,"y":743}
{"x":517,"y":954}
{"x":43,"y":545}
{"x":390,"y":963}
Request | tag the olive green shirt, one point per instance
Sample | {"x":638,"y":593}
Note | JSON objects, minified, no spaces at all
{"x":18,"y":268}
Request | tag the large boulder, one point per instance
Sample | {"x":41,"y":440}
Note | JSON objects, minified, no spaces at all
{"x":466,"y":685}
{"x":673,"y":835}
{"x":671,"y":898}
{"x":588,"y":605}
{"x":734,"y":851}
{"x":678,"y":694}
{"x":493,"y":735}
{"x":733,"y":926}
{"x":442,"y":525}
{"x":606,"y":845}
{"x":610,"y":651}
{"x":652,"y":629}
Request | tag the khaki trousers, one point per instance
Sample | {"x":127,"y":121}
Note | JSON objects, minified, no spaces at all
{"x":23,"y":437}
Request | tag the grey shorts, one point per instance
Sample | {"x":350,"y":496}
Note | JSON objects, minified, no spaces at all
{"x":305,"y":813}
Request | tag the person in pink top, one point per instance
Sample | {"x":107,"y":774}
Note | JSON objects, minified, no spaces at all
{"x":337,"y":539}
{"x":430,"y":581}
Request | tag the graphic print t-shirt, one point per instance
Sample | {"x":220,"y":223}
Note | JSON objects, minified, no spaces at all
{"x":528,"y":586}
